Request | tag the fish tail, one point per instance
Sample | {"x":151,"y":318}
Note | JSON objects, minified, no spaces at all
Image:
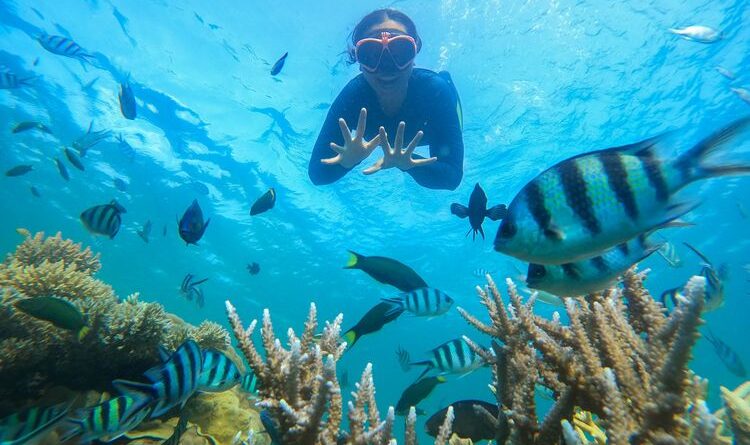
{"x":691,"y":163}
{"x":354,"y":259}
{"x":83,"y":332}
{"x":351,"y":337}
{"x":699,"y":253}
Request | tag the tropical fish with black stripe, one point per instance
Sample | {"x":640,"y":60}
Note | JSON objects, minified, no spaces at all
{"x":373,"y":321}
{"x":31,"y":425}
{"x":127,"y":100}
{"x":417,"y":392}
{"x":669,"y":253}
{"x":727,"y":355}
{"x":452,"y":357}
{"x":591,"y":275}
{"x":30,"y":125}
{"x":73,"y":159}
{"x":387,"y":271}
{"x":714,"y":281}
{"x":219,"y":372}
{"x":592,"y":202}
{"x":10,"y":81}
{"x":477,"y":211}
{"x":63,"y":46}
{"x":424,"y":302}
{"x":103,"y":219}
{"x":171,"y":383}
{"x":250,"y":383}
{"x":108,"y":420}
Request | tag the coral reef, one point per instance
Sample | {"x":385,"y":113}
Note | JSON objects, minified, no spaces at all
{"x":300,"y":392}
{"x":620,"y":358}
{"x":736,"y":413}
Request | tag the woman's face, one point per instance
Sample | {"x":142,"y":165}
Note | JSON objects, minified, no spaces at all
{"x":388,"y":79}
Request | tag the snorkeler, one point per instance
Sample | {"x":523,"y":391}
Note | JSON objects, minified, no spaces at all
{"x":419,"y":106}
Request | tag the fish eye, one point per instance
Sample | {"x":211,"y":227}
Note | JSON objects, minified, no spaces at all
{"x":537,"y":271}
{"x":508,"y":229}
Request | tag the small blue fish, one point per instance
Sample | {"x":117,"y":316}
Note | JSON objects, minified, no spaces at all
{"x":30,"y":125}
{"x":35,"y":192}
{"x":171,"y":383}
{"x":31,"y":424}
{"x":253,"y":268}
{"x":73,"y":159}
{"x":63,"y":46}
{"x":191,"y":225}
{"x":279,"y":64}
{"x":127,"y":101}
{"x":219,"y":373}
{"x":62,"y":169}
{"x":120,"y":184}
{"x":109,"y":420}
{"x":727,"y":355}
{"x":103,"y":219}
{"x":9,"y":81}
{"x":19,"y":170}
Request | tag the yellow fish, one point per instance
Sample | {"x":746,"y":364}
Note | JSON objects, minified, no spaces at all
{"x":24,"y":232}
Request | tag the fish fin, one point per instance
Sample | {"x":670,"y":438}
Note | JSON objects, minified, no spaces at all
{"x":459,"y":210}
{"x":480,"y":230}
{"x":673,"y":213}
{"x":555,"y":232}
{"x":195,"y":283}
{"x":353,"y":261}
{"x":426,"y":370}
{"x":350,"y":337}
{"x":128,"y":387}
{"x":497,"y":212}
{"x":700,"y":255}
{"x":71,"y":428}
{"x":691,"y":163}
{"x":82,"y":333}
{"x":164,"y":355}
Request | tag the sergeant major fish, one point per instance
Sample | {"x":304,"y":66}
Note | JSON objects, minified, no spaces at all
{"x":424,"y":302}
{"x":30,"y":425}
{"x":103,"y":219}
{"x":63,"y":46}
{"x":387,"y":271}
{"x":191,"y":225}
{"x":477,"y":211}
{"x":592,"y":202}
{"x":218,"y":372}
{"x":109,"y":420}
{"x":452,"y":357}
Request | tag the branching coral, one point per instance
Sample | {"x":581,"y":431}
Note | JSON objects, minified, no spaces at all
{"x":620,"y":358}
{"x":35,"y":250}
{"x":300,"y":391}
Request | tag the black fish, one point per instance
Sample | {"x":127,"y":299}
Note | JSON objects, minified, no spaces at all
{"x":271,"y":427}
{"x":31,"y":125}
{"x":192,"y":225}
{"x":727,"y":355}
{"x":19,"y":170}
{"x":35,"y":192}
{"x":62,"y":169}
{"x":386,"y":271}
{"x":279,"y":65}
{"x":103,"y":219}
{"x":264,"y":203}
{"x":478,"y":210}
{"x":416,"y":392}
{"x":468,"y":423}
{"x":179,"y":429}
{"x":373,"y":321}
{"x":253,"y":268}
{"x":127,"y":101}
{"x":73,"y":159}
{"x":190,"y":289}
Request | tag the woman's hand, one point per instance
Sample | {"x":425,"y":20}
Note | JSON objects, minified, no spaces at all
{"x":396,"y":156}
{"x":355,"y":149}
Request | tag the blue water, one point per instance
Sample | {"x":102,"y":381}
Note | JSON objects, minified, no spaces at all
{"x":539,"y":80}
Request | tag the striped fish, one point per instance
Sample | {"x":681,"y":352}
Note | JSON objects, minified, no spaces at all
{"x":29,"y":425}
{"x":669,"y":298}
{"x":727,"y":355}
{"x":171,"y":383}
{"x":103,"y":219}
{"x":219,"y":372}
{"x":714,"y":282}
{"x":592,"y":202}
{"x":669,"y":254}
{"x":108,"y":420}
{"x":63,"y":46}
{"x":587,"y":276}
{"x":9,"y":81}
{"x":424,"y":302}
{"x":250,"y":383}
{"x":452,"y":357}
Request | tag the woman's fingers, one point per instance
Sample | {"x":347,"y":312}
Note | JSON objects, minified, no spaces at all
{"x":373,"y":142}
{"x":345,"y":130}
{"x":398,"y":143}
{"x":361,"y":125}
{"x":418,"y":162}
{"x":374,"y":167}
{"x":414,"y":142}
{"x":330,"y":161}
{"x":384,"y":141}
{"x":337,"y":148}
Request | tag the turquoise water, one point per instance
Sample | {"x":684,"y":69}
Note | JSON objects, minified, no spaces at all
{"x":539,"y":82}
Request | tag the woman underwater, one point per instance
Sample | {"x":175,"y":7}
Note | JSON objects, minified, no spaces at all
{"x":390,"y":96}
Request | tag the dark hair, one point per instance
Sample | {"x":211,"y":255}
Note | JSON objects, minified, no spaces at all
{"x":378,"y":16}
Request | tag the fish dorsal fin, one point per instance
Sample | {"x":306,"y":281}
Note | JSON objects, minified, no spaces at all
{"x":163,"y":354}
{"x":700,"y":255}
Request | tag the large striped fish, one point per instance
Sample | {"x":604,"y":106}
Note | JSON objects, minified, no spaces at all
{"x":171,"y":383}
{"x":424,"y":302}
{"x":30,"y":425}
{"x":103,"y":219}
{"x":63,"y":46}
{"x":108,"y":420}
{"x":587,"y":204}
{"x":219,"y":372}
{"x":452,"y":357}
{"x":591,"y":275}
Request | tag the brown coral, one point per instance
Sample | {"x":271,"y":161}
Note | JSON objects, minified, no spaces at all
{"x":35,"y":250}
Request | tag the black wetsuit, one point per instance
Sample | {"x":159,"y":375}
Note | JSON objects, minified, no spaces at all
{"x":431,"y":105}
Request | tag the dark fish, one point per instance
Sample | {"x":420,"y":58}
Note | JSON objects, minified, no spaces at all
{"x":35,"y":192}
{"x":89,"y":139}
{"x":416,"y":392}
{"x":145,"y":231}
{"x":179,"y":429}
{"x":190,"y":289}
{"x":31,"y":125}
{"x":279,"y":64}
{"x":727,"y":355}
{"x":386,"y":271}
{"x":103,"y":219}
{"x":264,"y":203}
{"x":58,"y":311}
{"x":19,"y":170}
{"x":29,"y":425}
{"x":62,"y":169}
{"x":73,"y":159}
{"x":109,"y":420}
{"x":373,"y":321}
{"x":219,"y":373}
{"x":452,"y":357}
{"x":714,"y":282}
{"x":164,"y":231}
{"x":191,"y":225}
{"x":250,"y":383}
{"x":271,"y":427}
{"x":592,"y":202}
{"x":170,"y":383}
{"x":63,"y":46}
{"x":424,"y":302}
{"x":253,"y":268}
{"x":127,"y":101}
{"x":468,"y":423}
{"x":9,"y":81}
{"x":120,"y":184}
{"x":478,"y":210}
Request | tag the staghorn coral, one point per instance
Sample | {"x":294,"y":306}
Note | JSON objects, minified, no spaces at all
{"x":737,"y":412}
{"x":620,"y":357}
{"x":300,"y":392}
{"x":35,"y":250}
